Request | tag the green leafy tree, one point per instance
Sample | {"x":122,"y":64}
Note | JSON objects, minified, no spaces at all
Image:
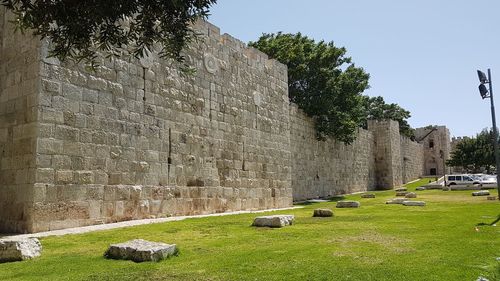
{"x":472,"y":154}
{"x":322,"y":81}
{"x":376,"y":109}
{"x":80,"y":29}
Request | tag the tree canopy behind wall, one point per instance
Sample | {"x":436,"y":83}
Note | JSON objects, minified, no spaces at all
{"x":474,"y":154}
{"x":80,"y":29}
{"x":322,"y":81}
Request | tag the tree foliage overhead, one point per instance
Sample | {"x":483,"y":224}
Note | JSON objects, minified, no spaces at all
{"x":376,"y":109}
{"x":472,"y":154}
{"x":322,"y":81}
{"x":80,"y":29}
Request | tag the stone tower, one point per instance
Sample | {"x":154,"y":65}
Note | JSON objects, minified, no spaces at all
{"x":437,"y":147}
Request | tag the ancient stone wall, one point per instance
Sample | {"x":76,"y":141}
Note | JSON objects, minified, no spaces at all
{"x":437,"y":147}
{"x":139,"y":139}
{"x":326,"y":168}
{"x":387,"y":153}
{"x":19,"y":67}
{"x":412,"y":155}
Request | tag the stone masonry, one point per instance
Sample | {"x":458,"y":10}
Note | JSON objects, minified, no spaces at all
{"x":137,"y":139}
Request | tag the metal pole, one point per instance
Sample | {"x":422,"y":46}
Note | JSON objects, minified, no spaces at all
{"x":495,"y":133}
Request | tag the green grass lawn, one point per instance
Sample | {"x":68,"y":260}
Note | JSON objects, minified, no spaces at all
{"x":375,"y":242}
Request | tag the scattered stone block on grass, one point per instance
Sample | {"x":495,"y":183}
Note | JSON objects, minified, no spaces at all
{"x":414,"y":203}
{"x":19,"y":249}
{"x":401,"y":193}
{"x":411,"y":195}
{"x":323,"y":213}
{"x":481,"y":193}
{"x":275,"y":221}
{"x":400,"y":189}
{"x":348,"y":204}
{"x":368,"y":195}
{"x":140,"y":250}
{"x":420,"y":188}
{"x":396,"y":201}
{"x":492,"y":198}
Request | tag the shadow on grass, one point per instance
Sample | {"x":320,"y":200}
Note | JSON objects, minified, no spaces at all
{"x":490,"y":224}
{"x":336,"y":198}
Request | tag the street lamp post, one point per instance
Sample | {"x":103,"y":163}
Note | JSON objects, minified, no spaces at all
{"x":489,"y":94}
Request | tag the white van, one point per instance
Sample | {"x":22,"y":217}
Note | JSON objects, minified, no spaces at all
{"x":462,"y":179}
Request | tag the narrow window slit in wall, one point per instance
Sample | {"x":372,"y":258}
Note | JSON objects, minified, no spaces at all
{"x":144,"y":79}
{"x":169,"y":159}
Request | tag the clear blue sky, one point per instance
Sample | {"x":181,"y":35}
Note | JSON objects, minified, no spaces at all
{"x":422,"y":54}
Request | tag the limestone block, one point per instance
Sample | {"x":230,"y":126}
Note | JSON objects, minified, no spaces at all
{"x":414,"y":203}
{"x":401,"y":193}
{"x":368,"y":195}
{"x":420,"y":188}
{"x":411,"y":195}
{"x":492,"y":198}
{"x":140,"y":250}
{"x":19,"y":250}
{"x":348,"y":204}
{"x":396,"y":201}
{"x":400,"y":189}
{"x":323,"y":213}
{"x":275,"y":221}
{"x":481,"y":193}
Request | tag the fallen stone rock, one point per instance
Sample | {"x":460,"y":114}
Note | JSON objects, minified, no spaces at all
{"x":401,"y":193}
{"x":411,"y":195}
{"x":400,"y":189}
{"x":323,"y":213}
{"x":348,"y":204}
{"x":492,"y":198}
{"x":414,"y":203}
{"x":396,"y":201}
{"x":481,"y":278}
{"x":20,"y":249}
{"x":139,"y":250}
{"x":368,"y":195}
{"x":275,"y":221}
{"x":420,"y":188}
{"x":481,"y":193}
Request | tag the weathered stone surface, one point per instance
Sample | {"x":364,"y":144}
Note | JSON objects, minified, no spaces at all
{"x":368,"y":195}
{"x":481,"y":193}
{"x":348,"y":204}
{"x":396,"y":201}
{"x":275,"y":221}
{"x":492,"y":198}
{"x":411,"y":195}
{"x":481,"y":278}
{"x":139,"y":250}
{"x":420,"y":188}
{"x":414,"y":203}
{"x":323,"y":213}
{"x":401,"y":193}
{"x":400,"y":189}
{"x":19,"y":250}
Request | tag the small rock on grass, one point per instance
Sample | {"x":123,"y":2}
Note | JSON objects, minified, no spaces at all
{"x":368,"y":195}
{"x":414,"y":203}
{"x":396,"y":201}
{"x":420,"y":188}
{"x":140,"y":250}
{"x":348,"y":204}
{"x":19,"y":249}
{"x":275,"y":221}
{"x":411,"y":195}
{"x":400,"y":189}
{"x":323,"y":213}
{"x":481,"y":193}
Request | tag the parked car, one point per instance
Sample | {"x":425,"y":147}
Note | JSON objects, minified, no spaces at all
{"x":462,"y":179}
